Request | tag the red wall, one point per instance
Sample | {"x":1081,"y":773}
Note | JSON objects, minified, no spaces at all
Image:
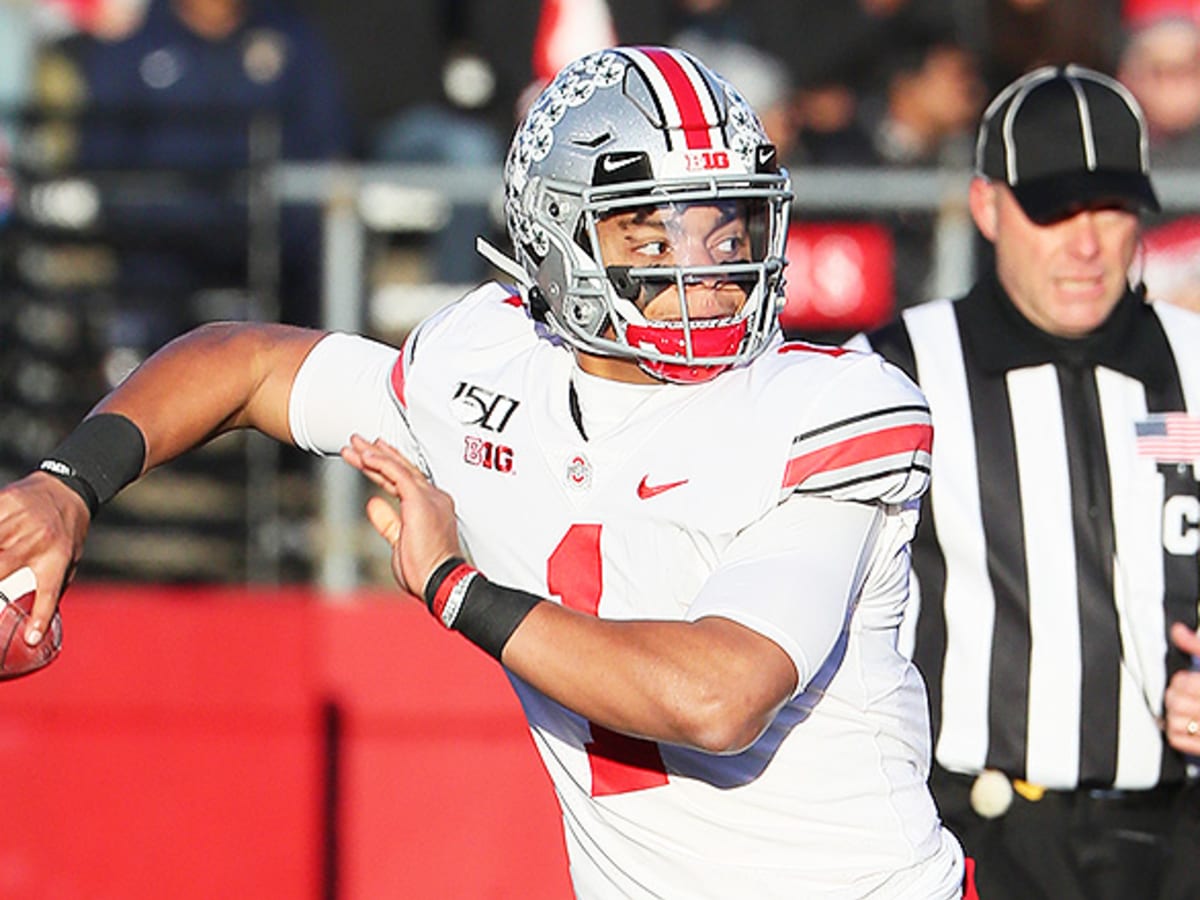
{"x":178,"y":748}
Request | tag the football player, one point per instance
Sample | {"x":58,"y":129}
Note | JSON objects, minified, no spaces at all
{"x":685,"y":539}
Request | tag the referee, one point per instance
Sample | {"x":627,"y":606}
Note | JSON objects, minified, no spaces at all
{"x":1057,"y":552}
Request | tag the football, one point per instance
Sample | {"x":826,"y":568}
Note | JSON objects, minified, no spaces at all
{"x":17,"y":658}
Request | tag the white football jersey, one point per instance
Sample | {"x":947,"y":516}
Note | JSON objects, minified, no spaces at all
{"x":781,"y":494}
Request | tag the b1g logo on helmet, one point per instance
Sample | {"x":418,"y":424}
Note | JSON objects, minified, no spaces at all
{"x":705,"y":160}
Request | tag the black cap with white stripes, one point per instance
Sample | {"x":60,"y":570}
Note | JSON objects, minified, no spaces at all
{"x":1065,"y":138}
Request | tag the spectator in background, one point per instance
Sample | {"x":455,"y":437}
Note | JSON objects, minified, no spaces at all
{"x":232,"y":60}
{"x":929,"y":96}
{"x":16,"y":56}
{"x":826,"y":115}
{"x":204,"y":89}
{"x":924,"y":115}
{"x":454,"y":126}
{"x":1019,"y":35}
{"x":720,"y":21}
{"x":834,"y":50}
{"x":449,"y":133}
{"x":846,"y":39}
{"x":1160,"y":64}
{"x":107,"y":19}
{"x":932,"y":94}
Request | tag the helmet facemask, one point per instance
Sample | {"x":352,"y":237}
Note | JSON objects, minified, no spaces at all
{"x":687,"y":286}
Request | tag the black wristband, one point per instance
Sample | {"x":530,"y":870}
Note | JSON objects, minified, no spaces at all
{"x":71,"y":479}
{"x":103,"y":454}
{"x":436,"y":579}
{"x":486,"y":614}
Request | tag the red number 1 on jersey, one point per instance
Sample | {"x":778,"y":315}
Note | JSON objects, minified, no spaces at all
{"x":619,"y":763}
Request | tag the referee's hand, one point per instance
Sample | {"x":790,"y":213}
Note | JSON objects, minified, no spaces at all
{"x":1181,"y":704}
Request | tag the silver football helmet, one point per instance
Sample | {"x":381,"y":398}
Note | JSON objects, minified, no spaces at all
{"x":649,"y":130}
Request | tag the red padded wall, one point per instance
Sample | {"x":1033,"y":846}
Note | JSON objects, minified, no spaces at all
{"x":178,"y":748}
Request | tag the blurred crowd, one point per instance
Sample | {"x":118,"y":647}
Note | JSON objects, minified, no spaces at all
{"x":138,"y":138}
{"x":208,"y":87}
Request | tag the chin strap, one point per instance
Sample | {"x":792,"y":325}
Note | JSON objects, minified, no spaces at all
{"x":505,"y":264}
{"x":530,"y":292}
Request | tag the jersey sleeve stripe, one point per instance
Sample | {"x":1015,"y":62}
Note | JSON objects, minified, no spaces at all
{"x":400,"y":369}
{"x":899,"y":478}
{"x":875,"y":446}
{"x":398,"y":381}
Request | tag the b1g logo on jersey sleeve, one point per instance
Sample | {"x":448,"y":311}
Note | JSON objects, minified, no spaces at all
{"x":479,"y":407}
{"x":486,"y":454}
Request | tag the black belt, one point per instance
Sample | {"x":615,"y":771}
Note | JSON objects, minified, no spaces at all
{"x":1162,"y":796}
{"x":1158,"y":797}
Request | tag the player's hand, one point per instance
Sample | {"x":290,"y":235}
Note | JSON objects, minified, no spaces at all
{"x":422,"y":529}
{"x":1181,"y":704}
{"x":43,"y":524}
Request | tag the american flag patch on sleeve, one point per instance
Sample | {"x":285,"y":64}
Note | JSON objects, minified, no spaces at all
{"x":1172,"y":437}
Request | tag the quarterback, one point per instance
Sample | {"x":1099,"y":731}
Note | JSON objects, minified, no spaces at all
{"x":686,"y":540}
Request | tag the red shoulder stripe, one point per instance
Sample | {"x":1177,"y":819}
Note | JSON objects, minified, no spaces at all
{"x":397,"y":377}
{"x":398,"y":380}
{"x":859,"y":449}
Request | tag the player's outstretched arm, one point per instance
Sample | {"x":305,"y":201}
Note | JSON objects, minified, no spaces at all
{"x":216,"y":378}
{"x":711,"y":684}
{"x":213,"y":379}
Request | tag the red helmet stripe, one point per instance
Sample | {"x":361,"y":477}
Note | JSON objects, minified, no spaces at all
{"x":689,"y":106}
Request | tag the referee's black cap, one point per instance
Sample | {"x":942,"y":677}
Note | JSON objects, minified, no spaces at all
{"x":1063,"y":138}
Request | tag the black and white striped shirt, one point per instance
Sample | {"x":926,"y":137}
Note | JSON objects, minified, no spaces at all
{"x":1055,"y":548}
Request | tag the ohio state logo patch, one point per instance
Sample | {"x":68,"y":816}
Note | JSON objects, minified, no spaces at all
{"x":579,"y":472}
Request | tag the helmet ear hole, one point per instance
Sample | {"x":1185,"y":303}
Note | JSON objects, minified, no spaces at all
{"x":586,"y":313}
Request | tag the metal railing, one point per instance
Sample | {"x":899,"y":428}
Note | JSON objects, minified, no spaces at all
{"x":853,"y":193}
{"x":343,"y":193}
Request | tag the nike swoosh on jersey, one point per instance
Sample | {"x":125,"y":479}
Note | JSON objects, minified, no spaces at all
{"x":646,"y":491}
